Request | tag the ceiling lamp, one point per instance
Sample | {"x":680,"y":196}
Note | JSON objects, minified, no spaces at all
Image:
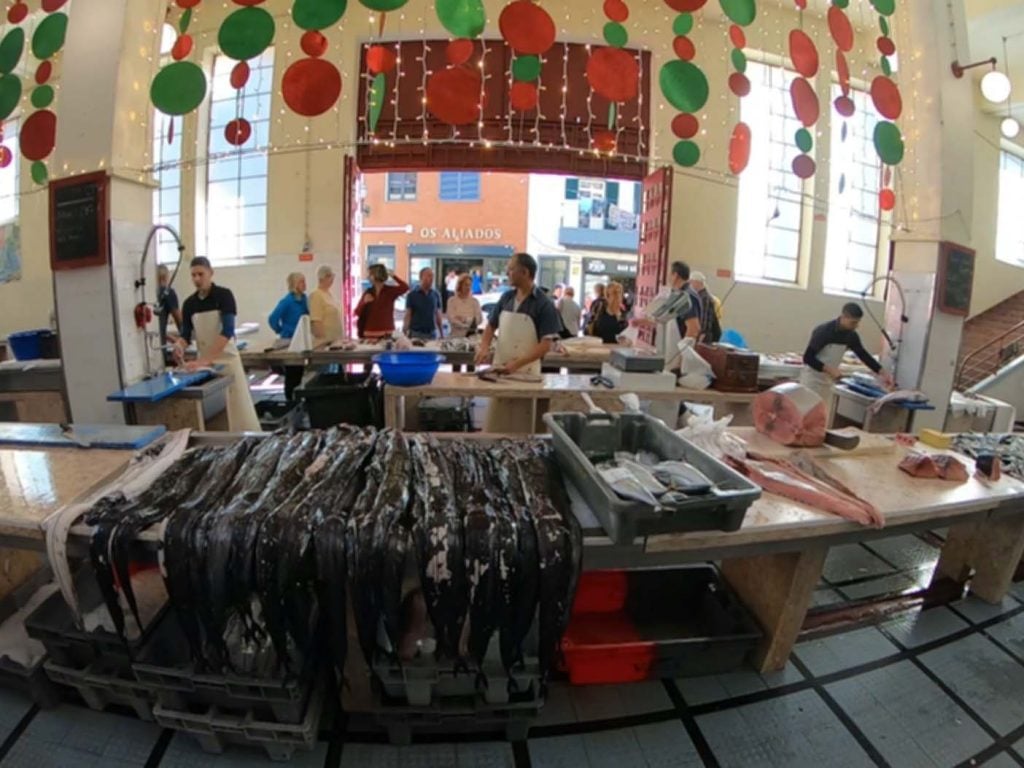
{"x":1010,"y":128}
{"x":995,"y":86}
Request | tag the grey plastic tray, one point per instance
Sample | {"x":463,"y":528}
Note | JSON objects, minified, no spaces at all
{"x":579,"y":437}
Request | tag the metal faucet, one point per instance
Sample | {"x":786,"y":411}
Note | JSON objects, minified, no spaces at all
{"x":149,"y":337}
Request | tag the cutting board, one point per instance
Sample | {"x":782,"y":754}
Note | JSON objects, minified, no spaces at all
{"x":111,"y":436}
{"x":159,"y":387}
{"x":870,"y":445}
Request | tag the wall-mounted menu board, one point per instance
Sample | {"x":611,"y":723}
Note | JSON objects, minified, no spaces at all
{"x":955,"y":279}
{"x":78,"y":221}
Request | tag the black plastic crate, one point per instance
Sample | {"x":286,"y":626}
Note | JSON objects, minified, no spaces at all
{"x":445,"y":414}
{"x":675,"y":622}
{"x":101,"y":686}
{"x":276,"y":414}
{"x":343,"y":398}
{"x":32,"y":681}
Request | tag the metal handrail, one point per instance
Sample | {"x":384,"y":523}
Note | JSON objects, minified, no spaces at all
{"x":997,"y":344}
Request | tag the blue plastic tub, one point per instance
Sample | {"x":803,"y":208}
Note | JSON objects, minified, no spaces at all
{"x":27,"y":345}
{"x":408,"y":369}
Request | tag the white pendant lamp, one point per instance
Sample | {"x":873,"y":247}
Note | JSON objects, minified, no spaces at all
{"x":1010,"y":128}
{"x":995,"y":87}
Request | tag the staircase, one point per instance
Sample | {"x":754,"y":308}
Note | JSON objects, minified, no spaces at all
{"x":991,"y":340}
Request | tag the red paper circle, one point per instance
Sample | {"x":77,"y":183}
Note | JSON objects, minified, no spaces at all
{"x":247,"y":2}
{"x":685,"y":126}
{"x":886,"y":96}
{"x":237,"y":132}
{"x":52,"y":5}
{"x":739,"y":84}
{"x":739,"y":148}
{"x":801,"y":4}
{"x":803,"y":53}
{"x":886,"y":47}
{"x":313,"y":43}
{"x":737,"y":36}
{"x":886,"y":199}
{"x":684,"y":49}
{"x":524,"y":96}
{"x":685,"y":6}
{"x":17,"y":13}
{"x":843,"y":68}
{"x":613,"y":73}
{"x":841,"y":29}
{"x":616,"y":10}
{"x":453,"y":95}
{"x":5,"y":157}
{"x":804,"y":167}
{"x":38,"y":134}
{"x":527,"y":27}
{"x":805,"y":102}
{"x":240,"y":75}
{"x":44,"y":73}
{"x":182,"y":47}
{"x":187,"y":3}
{"x":459,"y":51}
{"x":603,"y":140}
{"x":887,"y":176}
{"x":844,"y":106}
{"x":311,"y":86}
{"x":380,"y":58}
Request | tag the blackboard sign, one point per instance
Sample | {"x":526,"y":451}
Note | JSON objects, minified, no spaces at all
{"x":78,"y":221}
{"x":956,"y":279}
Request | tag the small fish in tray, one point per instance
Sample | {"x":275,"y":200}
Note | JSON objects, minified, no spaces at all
{"x":645,"y":478}
{"x":683,"y":477}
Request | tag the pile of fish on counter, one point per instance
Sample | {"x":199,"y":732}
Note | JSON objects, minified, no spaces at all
{"x":261,"y":537}
{"x":1000,"y":452}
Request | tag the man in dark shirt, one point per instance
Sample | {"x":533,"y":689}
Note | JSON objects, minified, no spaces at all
{"x":423,"y":309}
{"x":826,"y":348}
{"x":689,"y":320}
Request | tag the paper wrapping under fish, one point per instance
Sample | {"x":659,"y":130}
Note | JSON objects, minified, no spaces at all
{"x":791,"y":414}
{"x":937,"y":467}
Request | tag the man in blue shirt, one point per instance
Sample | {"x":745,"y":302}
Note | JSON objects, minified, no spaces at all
{"x":423,"y":309}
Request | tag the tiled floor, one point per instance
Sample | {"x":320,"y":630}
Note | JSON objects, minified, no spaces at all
{"x":937,"y":688}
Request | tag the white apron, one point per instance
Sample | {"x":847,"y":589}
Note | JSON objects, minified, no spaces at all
{"x":820,"y":382}
{"x":241,"y":412}
{"x":517,"y":335}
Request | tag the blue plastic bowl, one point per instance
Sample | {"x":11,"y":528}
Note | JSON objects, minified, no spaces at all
{"x":27,"y":345}
{"x":408,"y":369}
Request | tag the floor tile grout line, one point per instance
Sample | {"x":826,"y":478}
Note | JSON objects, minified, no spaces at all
{"x":1015,"y":755}
{"x":18,"y":730}
{"x":847,"y":722}
{"x":981,"y":758}
{"x":159,"y":748}
{"x":689,"y":720}
{"x":521,"y":754}
{"x":1004,"y":648}
{"x":605,"y":724}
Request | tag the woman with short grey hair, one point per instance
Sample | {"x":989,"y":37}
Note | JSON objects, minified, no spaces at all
{"x":324,"y":310}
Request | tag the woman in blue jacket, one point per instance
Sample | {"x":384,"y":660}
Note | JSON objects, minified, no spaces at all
{"x":285,"y":319}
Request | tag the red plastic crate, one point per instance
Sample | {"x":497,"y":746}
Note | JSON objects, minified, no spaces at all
{"x":605,"y":648}
{"x":601,"y":592}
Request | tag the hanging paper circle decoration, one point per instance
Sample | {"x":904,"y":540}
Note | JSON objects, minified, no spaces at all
{"x":17,"y":13}
{"x":889,"y":143}
{"x":39,"y":172}
{"x":616,"y":10}
{"x":177,"y":89}
{"x":886,"y":67}
{"x":685,"y":126}
{"x":182,"y":48}
{"x":10,"y":95}
{"x":463,"y":18}
{"x":684,"y":85}
{"x":184,"y":21}
{"x":803,"y":166}
{"x":805,"y":101}
{"x":885,"y":7}
{"x":886,"y":46}
{"x":38,"y":134}
{"x":803,"y":53}
{"x":380,"y":58}
{"x":49,"y":35}
{"x":886,"y":199}
{"x":739,"y":84}
{"x":313,"y":43}
{"x":843,"y":68}
{"x":887,"y":176}
{"x":526,"y":68}
{"x":240,"y":75}
{"x":459,"y":52}
{"x":804,"y":140}
{"x":453,"y":95}
{"x":11,"y":48}
{"x":614,"y":74}
{"x":237,"y":132}
{"x":684,"y":48}
{"x":801,"y":4}
{"x":739,"y":60}
{"x":742,"y":12}
{"x":603,"y":140}
{"x":5,"y":156}
{"x":52,"y":5}
{"x":739,"y":148}
{"x":524,"y":96}
{"x":317,"y":14}
{"x":247,"y":2}
{"x":686,"y":153}
{"x":42,"y":97}
{"x":246,"y":33}
{"x":844,"y":106}
{"x":841,"y":29}
{"x":737,"y":36}
{"x":383,"y":5}
{"x":310,"y":87}
{"x":886,"y":97}
{"x":683,"y":25}
{"x":615,"y":34}
{"x":187,"y":3}
{"x":377,"y":100}
{"x":527,"y":27}
{"x":686,"y":6}
{"x":44,"y":72}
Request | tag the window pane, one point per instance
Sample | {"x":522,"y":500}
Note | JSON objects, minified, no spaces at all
{"x":254,"y":219}
{"x":10,"y":177}
{"x":253,"y":192}
{"x":1010,"y":227}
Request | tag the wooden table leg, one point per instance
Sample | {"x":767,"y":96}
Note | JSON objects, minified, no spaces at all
{"x":392,"y":410}
{"x":777,"y":589}
{"x":990,"y":549}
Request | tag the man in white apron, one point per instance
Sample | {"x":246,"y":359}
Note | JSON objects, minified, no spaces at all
{"x":208,"y":317}
{"x":825,"y":351}
{"x":527,"y":324}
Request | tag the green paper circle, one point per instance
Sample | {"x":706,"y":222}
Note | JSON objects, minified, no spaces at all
{"x":889,"y":143}
{"x":739,"y":60}
{"x":883,"y":24}
{"x":10,"y":95}
{"x":686,"y":153}
{"x":886,"y":67}
{"x":804,"y":140}
{"x":49,"y":36}
{"x":684,"y":85}
{"x":615,"y":34}
{"x":39,"y":173}
{"x":246,"y":33}
{"x":383,"y":5}
{"x":185,"y":20}
{"x":844,"y":4}
{"x":463,"y":18}
{"x":11,"y":48}
{"x":178,"y":88}
{"x":317,"y":14}
{"x":683,"y":25}
{"x":885,"y":7}
{"x":42,"y":97}
{"x":742,"y":12}
{"x":526,"y":68}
